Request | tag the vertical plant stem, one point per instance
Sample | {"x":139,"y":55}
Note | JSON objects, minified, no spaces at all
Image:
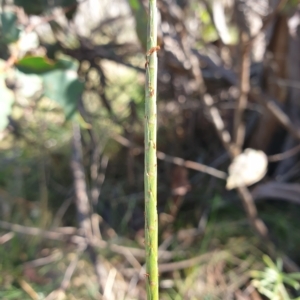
{"x":244,"y":85}
{"x":150,"y":176}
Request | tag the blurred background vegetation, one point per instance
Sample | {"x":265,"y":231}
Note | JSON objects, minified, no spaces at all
{"x":72,"y":76}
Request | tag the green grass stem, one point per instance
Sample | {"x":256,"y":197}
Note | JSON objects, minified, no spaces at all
{"x":150,"y":176}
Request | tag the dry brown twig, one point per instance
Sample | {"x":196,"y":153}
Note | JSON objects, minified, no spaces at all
{"x":284,"y":155}
{"x":61,"y":211}
{"x":173,"y":159}
{"x":81,"y":197}
{"x":43,"y":260}
{"x":69,"y":236}
{"x":244,"y":86}
{"x":244,"y":78}
{"x":269,"y":19}
{"x":225,"y":138}
{"x":278,"y":113}
{"x":257,"y":223}
{"x":248,"y":201}
{"x":6,"y":237}
{"x":28,"y":289}
{"x":245,"y":195}
{"x":258,"y":96}
{"x":68,"y":275}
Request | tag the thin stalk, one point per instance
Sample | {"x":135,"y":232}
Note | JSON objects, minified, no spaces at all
{"x":150,"y":176}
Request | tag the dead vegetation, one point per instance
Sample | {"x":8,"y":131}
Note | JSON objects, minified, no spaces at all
{"x":72,"y":214}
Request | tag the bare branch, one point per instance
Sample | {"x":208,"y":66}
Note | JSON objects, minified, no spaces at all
{"x":173,"y":159}
{"x":244,"y":86}
{"x":82,"y":201}
{"x":69,"y":236}
{"x":280,"y":116}
{"x":284,"y":155}
{"x":68,"y":275}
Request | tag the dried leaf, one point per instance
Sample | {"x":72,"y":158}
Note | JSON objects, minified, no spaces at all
{"x":247,"y":168}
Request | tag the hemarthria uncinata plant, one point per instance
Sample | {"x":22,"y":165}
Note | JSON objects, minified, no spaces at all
{"x":150,"y":175}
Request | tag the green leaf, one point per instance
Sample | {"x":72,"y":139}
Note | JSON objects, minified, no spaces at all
{"x":64,"y":87}
{"x":279,"y":264}
{"x":295,"y":276}
{"x":205,"y":17}
{"x":60,"y":79}
{"x":268,"y":261}
{"x":141,"y":17}
{"x":36,"y":64}
{"x":257,"y":274}
{"x":134,"y":4}
{"x":42,"y":64}
{"x":9,"y":31}
{"x":290,"y":281}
